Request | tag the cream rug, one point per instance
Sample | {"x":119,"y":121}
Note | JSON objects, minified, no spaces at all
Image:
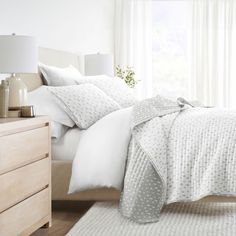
{"x":182,"y":219}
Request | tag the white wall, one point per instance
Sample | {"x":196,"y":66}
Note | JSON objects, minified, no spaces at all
{"x":81,"y":26}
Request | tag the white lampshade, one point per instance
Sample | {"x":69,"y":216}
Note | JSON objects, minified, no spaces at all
{"x":18,"y":54}
{"x":98,"y":64}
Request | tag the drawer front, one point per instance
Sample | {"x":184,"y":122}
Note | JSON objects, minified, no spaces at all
{"x":20,"y":218}
{"x":22,"y":148}
{"x":23,"y":182}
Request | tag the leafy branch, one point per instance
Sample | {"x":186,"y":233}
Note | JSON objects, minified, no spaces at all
{"x":127,"y":74}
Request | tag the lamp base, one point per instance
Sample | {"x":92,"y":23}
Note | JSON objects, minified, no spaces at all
{"x":17,"y":92}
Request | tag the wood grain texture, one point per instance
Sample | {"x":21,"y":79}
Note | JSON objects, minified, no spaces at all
{"x":23,"y":182}
{"x":23,"y":148}
{"x":19,"y":219}
{"x":25,"y":175}
{"x":16,"y":125}
{"x":49,"y":223}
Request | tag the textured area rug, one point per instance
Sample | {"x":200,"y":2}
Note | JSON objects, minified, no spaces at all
{"x":179,"y":219}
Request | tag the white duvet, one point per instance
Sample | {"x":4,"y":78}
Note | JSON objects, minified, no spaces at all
{"x":101,"y":153}
{"x":65,"y":148}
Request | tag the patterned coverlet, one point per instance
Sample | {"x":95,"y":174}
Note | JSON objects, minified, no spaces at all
{"x":177,"y":154}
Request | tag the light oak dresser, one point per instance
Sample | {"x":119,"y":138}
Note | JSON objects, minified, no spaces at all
{"x":25,"y":175}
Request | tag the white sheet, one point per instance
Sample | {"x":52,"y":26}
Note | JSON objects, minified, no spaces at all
{"x":101,"y":154}
{"x":57,"y":130}
{"x":65,"y":148}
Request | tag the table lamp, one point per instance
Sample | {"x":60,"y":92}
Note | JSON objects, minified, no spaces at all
{"x":18,"y":55}
{"x":98,"y":64}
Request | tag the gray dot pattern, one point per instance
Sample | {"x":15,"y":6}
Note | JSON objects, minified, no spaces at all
{"x":115,"y":88}
{"x":177,"y":155}
{"x":178,"y":219}
{"x":85,"y":103}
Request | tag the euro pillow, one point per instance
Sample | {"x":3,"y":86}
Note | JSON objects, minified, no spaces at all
{"x":55,"y":76}
{"x":115,"y":88}
{"x":44,"y":104}
{"x":85,"y":103}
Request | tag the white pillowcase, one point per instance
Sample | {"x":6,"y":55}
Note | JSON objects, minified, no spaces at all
{"x":85,"y":103}
{"x":102,"y":152}
{"x":44,"y":104}
{"x":55,"y":76}
{"x":114,"y":87}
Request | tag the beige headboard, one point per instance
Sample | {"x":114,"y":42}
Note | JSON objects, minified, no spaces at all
{"x":54,"y":58}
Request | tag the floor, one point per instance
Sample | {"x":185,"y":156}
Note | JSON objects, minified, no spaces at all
{"x":64,"y":216}
{"x":66,"y":213}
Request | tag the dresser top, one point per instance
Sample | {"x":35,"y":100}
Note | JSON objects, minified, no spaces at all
{"x":16,"y":119}
{"x":7,"y":120}
{"x":19,"y":124}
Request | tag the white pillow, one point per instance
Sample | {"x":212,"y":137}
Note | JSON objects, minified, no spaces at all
{"x":102,"y":152}
{"x":55,"y":76}
{"x":44,"y":104}
{"x":114,"y":87}
{"x":85,"y":103}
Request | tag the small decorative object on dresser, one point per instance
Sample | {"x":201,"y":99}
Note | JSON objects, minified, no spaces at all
{"x":4,"y":99}
{"x":27,"y":111}
{"x":25,"y":175}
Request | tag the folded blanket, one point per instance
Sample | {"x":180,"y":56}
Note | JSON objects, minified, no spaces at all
{"x":177,"y":154}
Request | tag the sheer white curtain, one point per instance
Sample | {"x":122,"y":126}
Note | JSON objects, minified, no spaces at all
{"x":133,"y":41}
{"x":212,"y":78}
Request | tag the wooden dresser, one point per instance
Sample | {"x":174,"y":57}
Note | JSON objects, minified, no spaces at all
{"x":25,"y":175}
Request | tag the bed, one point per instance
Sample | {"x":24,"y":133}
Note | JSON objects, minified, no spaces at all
{"x":61,"y":169}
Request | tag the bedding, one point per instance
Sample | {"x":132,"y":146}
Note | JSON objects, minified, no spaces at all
{"x":65,"y":148}
{"x":114,"y":87}
{"x":85,"y":103}
{"x":44,"y":104}
{"x":57,"y":131}
{"x":176,"y":153}
{"x":101,"y":154}
{"x":157,"y":152}
{"x":55,"y":76}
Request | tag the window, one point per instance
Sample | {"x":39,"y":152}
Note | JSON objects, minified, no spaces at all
{"x":170,"y":47}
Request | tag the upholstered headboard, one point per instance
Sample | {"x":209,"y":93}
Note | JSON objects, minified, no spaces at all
{"x":54,"y":58}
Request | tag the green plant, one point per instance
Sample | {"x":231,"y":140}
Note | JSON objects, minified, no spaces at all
{"x":127,"y":74}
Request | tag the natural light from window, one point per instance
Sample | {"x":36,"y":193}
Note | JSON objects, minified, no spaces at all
{"x":170,"y":47}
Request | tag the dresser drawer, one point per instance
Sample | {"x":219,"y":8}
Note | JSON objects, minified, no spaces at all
{"x":21,"y":218}
{"x":23,"y":182}
{"x":22,"y":148}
